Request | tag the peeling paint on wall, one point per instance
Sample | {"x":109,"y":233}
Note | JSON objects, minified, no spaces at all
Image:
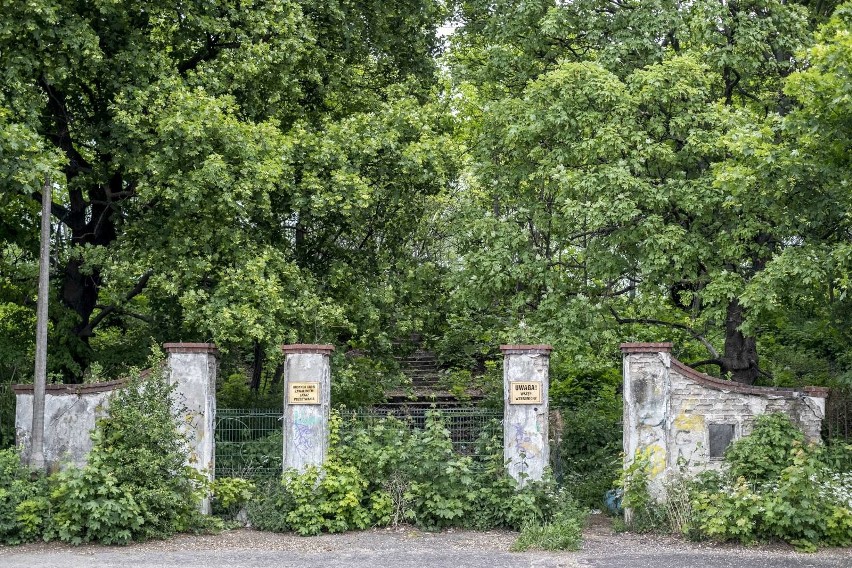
{"x":668,"y":409}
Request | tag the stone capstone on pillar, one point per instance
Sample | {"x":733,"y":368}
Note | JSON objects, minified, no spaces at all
{"x":526,"y":382}
{"x":307,"y":401}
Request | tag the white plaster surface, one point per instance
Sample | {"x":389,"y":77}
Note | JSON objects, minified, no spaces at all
{"x":69,"y":420}
{"x":526,"y":449}
{"x":306,"y":425}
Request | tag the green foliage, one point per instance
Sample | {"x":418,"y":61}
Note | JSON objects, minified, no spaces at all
{"x":23,"y":500}
{"x":793,"y":493}
{"x":290,"y":150}
{"x":565,"y":532}
{"x":136,"y":484}
{"x":91,"y":505}
{"x":234,"y":392}
{"x":586,"y":431}
{"x":268,"y":508}
{"x":769,"y":449}
{"x":645,"y":513}
{"x":248,"y":458}
{"x":386,"y":473}
{"x":327,"y":499}
{"x":331,"y":499}
{"x":230,"y":494}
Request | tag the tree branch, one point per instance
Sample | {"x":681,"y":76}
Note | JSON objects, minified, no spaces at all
{"x":58,"y":211}
{"x":707,"y":345}
{"x":140,"y":286}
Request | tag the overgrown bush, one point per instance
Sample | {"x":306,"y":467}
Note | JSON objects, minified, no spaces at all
{"x":772,"y":486}
{"x":229,"y":495}
{"x":768,"y":450}
{"x":386,"y":472}
{"x":642,"y":512}
{"x":587,"y":431}
{"x":588,"y":457}
{"x":136,"y":484}
{"x":23,"y":500}
{"x":775,"y":486}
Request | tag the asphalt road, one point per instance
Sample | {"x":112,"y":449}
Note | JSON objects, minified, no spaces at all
{"x":409,"y":548}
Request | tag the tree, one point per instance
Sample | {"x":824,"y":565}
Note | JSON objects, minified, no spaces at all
{"x":607,"y":158}
{"x":211,"y":155}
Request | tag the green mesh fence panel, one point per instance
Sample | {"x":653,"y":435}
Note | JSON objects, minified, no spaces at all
{"x":249,"y":442}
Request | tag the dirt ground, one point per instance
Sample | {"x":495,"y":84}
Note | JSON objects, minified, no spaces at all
{"x":405,"y":547}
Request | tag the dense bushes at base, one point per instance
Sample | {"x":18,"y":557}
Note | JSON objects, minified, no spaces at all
{"x":135,"y":485}
{"x":772,"y":486}
{"x":388,"y":473}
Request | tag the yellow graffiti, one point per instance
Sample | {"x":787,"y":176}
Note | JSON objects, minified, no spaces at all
{"x":656,"y":459}
{"x":689,"y":422}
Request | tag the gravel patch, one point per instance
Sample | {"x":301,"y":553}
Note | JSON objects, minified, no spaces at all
{"x":406,"y":547}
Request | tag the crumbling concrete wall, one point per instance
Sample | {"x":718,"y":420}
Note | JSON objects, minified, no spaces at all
{"x":71,"y":411}
{"x":680,"y":417}
{"x":70,"y":414}
{"x":526,"y":381}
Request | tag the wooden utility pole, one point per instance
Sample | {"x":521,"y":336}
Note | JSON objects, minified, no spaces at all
{"x":40,"y":379}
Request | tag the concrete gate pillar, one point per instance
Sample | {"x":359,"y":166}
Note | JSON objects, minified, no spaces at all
{"x":526,"y":381}
{"x":192,"y":369}
{"x":307,"y":400}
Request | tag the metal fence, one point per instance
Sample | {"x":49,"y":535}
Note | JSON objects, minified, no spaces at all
{"x":838,"y":414}
{"x":249,"y":442}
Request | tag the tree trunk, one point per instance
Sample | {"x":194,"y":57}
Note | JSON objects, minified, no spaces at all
{"x":740,"y":357}
{"x":257,"y":367}
{"x":90,"y":224}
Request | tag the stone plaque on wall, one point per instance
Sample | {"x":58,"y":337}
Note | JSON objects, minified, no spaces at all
{"x":303,"y":393}
{"x":525,"y":392}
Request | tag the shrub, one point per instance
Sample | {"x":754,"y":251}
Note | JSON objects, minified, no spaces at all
{"x":24,"y":508}
{"x":386,"y":472}
{"x":136,"y":484}
{"x":761,"y":456}
{"x":645,"y":513}
{"x":776,"y":487}
{"x":588,"y":458}
{"x":229,"y":495}
{"x":267,"y":509}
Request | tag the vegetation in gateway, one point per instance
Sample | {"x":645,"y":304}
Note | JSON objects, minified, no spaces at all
{"x":574,"y":173}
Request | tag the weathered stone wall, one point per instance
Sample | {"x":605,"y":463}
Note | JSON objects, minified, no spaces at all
{"x":70,"y":413}
{"x":526,"y":447}
{"x":670,"y":409}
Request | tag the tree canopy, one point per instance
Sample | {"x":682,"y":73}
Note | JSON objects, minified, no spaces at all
{"x":580,"y":173}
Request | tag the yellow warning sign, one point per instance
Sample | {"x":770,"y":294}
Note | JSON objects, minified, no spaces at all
{"x":524,"y":392}
{"x":303,"y":393}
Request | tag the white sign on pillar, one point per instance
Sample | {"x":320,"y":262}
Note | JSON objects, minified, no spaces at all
{"x":526,"y":447}
{"x":307,"y":401}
